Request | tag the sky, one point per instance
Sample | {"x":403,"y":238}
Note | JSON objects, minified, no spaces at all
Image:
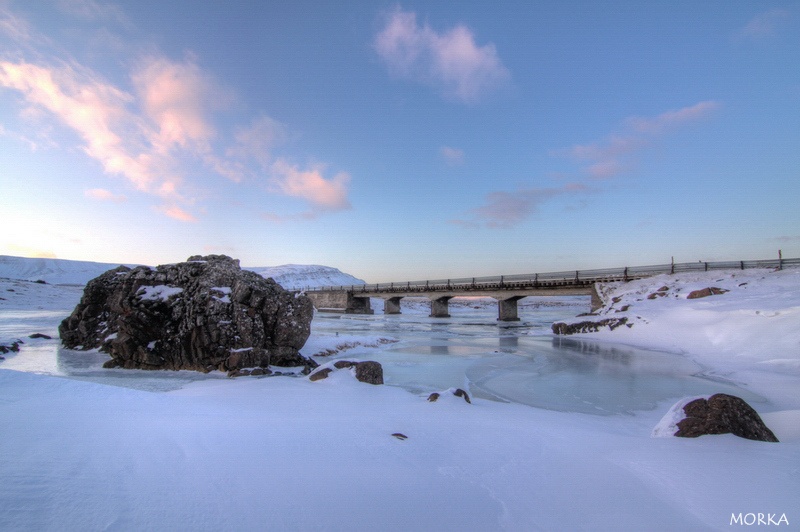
{"x":401,"y":141}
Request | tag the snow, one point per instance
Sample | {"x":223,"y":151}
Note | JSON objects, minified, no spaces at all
{"x":211,"y":453}
{"x":53,"y":271}
{"x":158,"y":293}
{"x":301,"y":277}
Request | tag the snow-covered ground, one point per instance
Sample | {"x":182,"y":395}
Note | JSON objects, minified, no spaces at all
{"x":213,"y":453}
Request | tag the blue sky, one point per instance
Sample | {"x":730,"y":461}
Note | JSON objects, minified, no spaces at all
{"x":401,"y":141}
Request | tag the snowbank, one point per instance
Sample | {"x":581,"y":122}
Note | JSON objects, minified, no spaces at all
{"x":751,"y":326}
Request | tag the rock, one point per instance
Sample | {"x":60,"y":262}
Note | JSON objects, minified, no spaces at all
{"x":319,"y":375}
{"x":723,"y":414}
{"x":206,"y":312}
{"x":369,"y":372}
{"x":461,"y":393}
{"x":587,"y":326}
{"x":458,"y":392}
{"x":40,"y":335}
{"x":705,"y":292}
{"x":13,"y":348}
{"x":400,"y":436}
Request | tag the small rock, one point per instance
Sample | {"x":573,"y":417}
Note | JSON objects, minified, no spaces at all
{"x":13,"y":348}
{"x":461,"y":393}
{"x":319,"y":375}
{"x":433,"y":397}
{"x":40,"y":335}
{"x":400,"y":436}
{"x":110,"y":364}
{"x":370,"y":372}
{"x":705,"y":292}
{"x":342,"y":364}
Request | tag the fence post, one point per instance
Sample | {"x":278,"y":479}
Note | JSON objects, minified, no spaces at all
{"x":672,"y":267}
{"x":741,"y":262}
{"x":706,"y":264}
{"x":625,"y":274}
{"x":536,"y":280}
{"x":576,"y":276}
{"x":780,"y":259}
{"x":502,"y":283}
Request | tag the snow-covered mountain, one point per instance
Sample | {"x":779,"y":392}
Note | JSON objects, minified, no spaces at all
{"x":53,"y":271}
{"x":60,"y":271}
{"x":301,"y":276}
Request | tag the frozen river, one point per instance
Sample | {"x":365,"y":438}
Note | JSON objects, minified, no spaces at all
{"x":519,"y":362}
{"x":522,"y":362}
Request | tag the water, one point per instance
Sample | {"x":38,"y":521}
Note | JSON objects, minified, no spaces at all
{"x":516,"y":362}
{"x":521,"y":362}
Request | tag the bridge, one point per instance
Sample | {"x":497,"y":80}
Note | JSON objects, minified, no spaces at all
{"x":507,"y":289}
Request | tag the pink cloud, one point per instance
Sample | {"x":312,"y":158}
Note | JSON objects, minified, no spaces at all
{"x":453,"y":156}
{"x":503,"y":209}
{"x":311,"y":185}
{"x":616,"y":155}
{"x":175,"y":96}
{"x":104,"y":195}
{"x":451,"y":61}
{"x":660,"y":123}
{"x":177,"y":213}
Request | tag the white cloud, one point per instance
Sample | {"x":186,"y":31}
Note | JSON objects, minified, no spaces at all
{"x":450,"y":61}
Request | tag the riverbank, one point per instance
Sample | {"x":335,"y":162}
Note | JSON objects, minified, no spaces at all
{"x":286,"y":453}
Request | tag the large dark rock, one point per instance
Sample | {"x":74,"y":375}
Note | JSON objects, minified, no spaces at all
{"x":201,"y":314}
{"x":723,"y":414}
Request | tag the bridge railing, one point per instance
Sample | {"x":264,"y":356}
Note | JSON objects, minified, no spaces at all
{"x":568,"y":278}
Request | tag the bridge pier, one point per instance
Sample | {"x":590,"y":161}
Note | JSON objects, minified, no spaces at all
{"x":358,"y":305}
{"x":439,"y":307}
{"x":507,"y":309}
{"x":391,"y":305}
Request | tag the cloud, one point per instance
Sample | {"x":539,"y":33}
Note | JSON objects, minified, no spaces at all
{"x":176,"y":213}
{"x":311,"y":185}
{"x":669,"y":119}
{"x":158,"y":132}
{"x":13,"y":26}
{"x":502,"y":210}
{"x":453,"y":156}
{"x":450,"y":61}
{"x":104,"y":195}
{"x":766,"y":24}
{"x":257,"y":140}
{"x":175,"y":96}
{"x":615,"y":155}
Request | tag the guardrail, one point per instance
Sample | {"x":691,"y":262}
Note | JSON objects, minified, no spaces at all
{"x":572,"y":278}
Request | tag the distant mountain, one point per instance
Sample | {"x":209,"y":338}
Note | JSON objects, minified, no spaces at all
{"x":301,"y":276}
{"x":53,"y":271}
{"x":60,"y":271}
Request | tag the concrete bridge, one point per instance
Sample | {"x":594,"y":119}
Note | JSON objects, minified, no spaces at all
{"x":506,"y":289}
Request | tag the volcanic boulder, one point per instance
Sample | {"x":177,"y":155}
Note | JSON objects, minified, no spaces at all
{"x":723,"y":414}
{"x":203,"y":314}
